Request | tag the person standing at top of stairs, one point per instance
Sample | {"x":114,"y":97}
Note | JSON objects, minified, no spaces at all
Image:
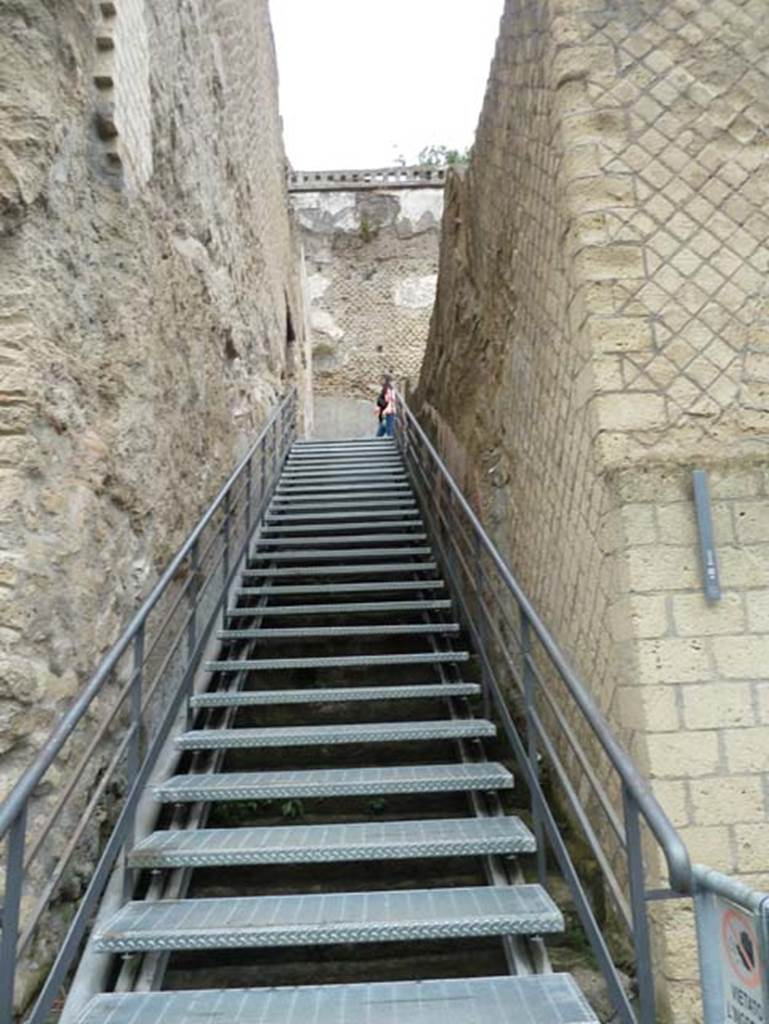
{"x":386,"y":406}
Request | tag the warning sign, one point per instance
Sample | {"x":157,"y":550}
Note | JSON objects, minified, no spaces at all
{"x":741,"y":967}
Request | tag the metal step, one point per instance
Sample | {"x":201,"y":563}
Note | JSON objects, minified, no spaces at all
{"x":339,"y":530}
{"x":375,"y":569}
{"x":331,"y":473}
{"x":338,"y":588}
{"x":323,"y":844}
{"x":340,"y":608}
{"x":537,"y":999}
{"x":341,"y":503}
{"x":354,"y":512}
{"x":329,"y":918}
{"x":302,"y":490}
{"x":379,"y":444}
{"x":364,"y":538}
{"x":337,"y":554}
{"x":353,"y":461}
{"x":335,"y":695}
{"x":334,"y":735}
{"x":339,"y":632}
{"x":484,"y":776}
{"x":338,"y":661}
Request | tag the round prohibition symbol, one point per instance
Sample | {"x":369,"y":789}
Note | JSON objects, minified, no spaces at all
{"x":741,"y":946}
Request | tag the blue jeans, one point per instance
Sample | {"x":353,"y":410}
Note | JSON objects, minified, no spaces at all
{"x":387,"y":426}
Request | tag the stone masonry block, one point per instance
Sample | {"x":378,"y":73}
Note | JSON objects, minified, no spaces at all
{"x":631,"y":411}
{"x":648,"y":615}
{"x":762,"y":698}
{"x":649,"y":708}
{"x":663,"y":568}
{"x":725,"y":800}
{"x":673,"y":660}
{"x":672,"y":796}
{"x":639,"y":524}
{"x":744,"y":567}
{"x":752,"y":843}
{"x":710,"y":845}
{"x":747,"y":750}
{"x":607,"y":192}
{"x":683,"y":755}
{"x":678,"y":523}
{"x":694,"y":616}
{"x":621,"y":334}
{"x":611,"y":263}
{"x":716,"y":705}
{"x":758,"y":610}
{"x":742,"y":657}
{"x":751,"y":521}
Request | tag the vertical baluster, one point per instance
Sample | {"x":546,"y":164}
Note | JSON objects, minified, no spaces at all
{"x":225,"y":556}
{"x":482,"y":626}
{"x":249,"y":486}
{"x":14,"y":877}
{"x":134,"y":752}
{"x":636,"y":879}
{"x":530,"y":697}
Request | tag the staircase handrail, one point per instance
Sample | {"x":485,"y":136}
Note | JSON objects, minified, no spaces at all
{"x":673,"y":846}
{"x":30,"y":779}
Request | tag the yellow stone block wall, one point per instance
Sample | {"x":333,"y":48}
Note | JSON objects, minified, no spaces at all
{"x":600,"y":331}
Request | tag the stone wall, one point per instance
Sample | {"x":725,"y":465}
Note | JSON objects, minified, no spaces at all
{"x":600,"y":331}
{"x":372,"y":260}
{"x":147,"y":279}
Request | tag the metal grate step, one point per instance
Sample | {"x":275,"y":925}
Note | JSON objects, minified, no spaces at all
{"x":329,"y":918}
{"x":363,"y":538}
{"x":336,"y":554}
{"x":355,"y":512}
{"x":323,"y":844}
{"x":334,"y":735}
{"x":339,"y":632}
{"x":340,"y":530}
{"x":299,"y":490}
{"x":340,"y":694}
{"x":339,"y":608}
{"x":387,"y":473}
{"x":335,"y":782}
{"x":542,"y":999}
{"x":339,"y":588}
{"x":337,"y":661}
{"x":375,"y":569}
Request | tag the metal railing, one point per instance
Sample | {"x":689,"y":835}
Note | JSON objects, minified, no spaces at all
{"x":106,"y":745}
{"x":356,"y":180}
{"x":563,"y":746}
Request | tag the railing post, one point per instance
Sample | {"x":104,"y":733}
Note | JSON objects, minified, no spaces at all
{"x":262,"y":474}
{"x":134,"y":752}
{"x":249,"y":486}
{"x":482,"y":631}
{"x":192,"y":598}
{"x":529,"y":696}
{"x":225,"y":557}
{"x":637,"y":883}
{"x":14,"y":876}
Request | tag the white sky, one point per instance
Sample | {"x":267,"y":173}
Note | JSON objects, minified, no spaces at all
{"x":362,"y":81}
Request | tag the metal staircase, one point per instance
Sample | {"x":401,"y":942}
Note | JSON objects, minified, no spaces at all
{"x":285,"y":795}
{"x":343,"y":528}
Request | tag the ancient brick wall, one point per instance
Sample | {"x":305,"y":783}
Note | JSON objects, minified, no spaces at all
{"x":144,"y":304}
{"x":372,"y":260}
{"x":600,"y":331}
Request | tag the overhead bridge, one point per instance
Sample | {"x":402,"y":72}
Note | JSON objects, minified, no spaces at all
{"x":320,"y":759}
